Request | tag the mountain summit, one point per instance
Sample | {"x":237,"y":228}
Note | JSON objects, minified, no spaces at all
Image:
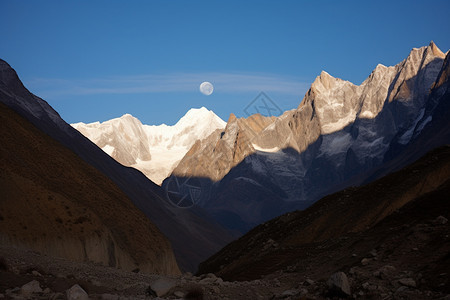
{"x":154,"y":150}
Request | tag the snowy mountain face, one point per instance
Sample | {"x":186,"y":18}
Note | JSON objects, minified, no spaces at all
{"x":339,"y":131}
{"x":154,"y":150}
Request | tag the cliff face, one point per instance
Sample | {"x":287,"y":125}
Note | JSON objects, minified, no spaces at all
{"x":337,"y":136}
{"x":57,"y":204}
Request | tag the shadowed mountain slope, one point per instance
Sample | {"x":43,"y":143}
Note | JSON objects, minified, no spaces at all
{"x":54,"y":202}
{"x":360,"y":215}
{"x":340,"y":135}
{"x":193,"y":236}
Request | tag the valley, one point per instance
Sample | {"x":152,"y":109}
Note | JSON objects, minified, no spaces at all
{"x":345,"y":196}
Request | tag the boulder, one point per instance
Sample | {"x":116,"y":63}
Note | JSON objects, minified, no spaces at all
{"x":76,"y":292}
{"x":338,"y":284}
{"x":30,"y":288}
{"x":441,"y":220}
{"x":409,"y":282}
{"x":162,"y":286}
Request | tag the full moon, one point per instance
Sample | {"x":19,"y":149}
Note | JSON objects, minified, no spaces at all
{"x":206,"y":88}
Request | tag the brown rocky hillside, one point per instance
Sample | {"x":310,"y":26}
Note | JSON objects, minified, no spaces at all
{"x":55,"y":203}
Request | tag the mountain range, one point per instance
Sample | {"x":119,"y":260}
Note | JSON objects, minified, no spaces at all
{"x":250,"y":170}
{"x":236,"y":175}
{"x":154,"y":150}
{"x":340,"y":135}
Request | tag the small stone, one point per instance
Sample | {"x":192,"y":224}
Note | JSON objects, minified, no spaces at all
{"x":179,"y":294}
{"x":36,"y":273}
{"x":290,"y":293}
{"x":162,"y":286}
{"x":96,"y":282}
{"x":109,"y":297}
{"x":373,"y":253}
{"x":407,"y":282}
{"x":401,"y":289}
{"x":76,"y":292}
{"x":441,"y":220}
{"x":277,"y":282}
{"x":309,"y":281}
{"x":354,"y":255}
{"x":338,"y":283}
{"x":207,"y":281}
{"x":12,"y":291}
{"x":57,"y":296}
{"x":365,"y":261}
{"x":415,"y":249}
{"x":30,"y":288}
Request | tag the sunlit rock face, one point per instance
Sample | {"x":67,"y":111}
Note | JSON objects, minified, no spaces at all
{"x":339,"y":132}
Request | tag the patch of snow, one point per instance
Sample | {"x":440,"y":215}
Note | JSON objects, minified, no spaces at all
{"x":367,"y":114}
{"x":247,"y":180}
{"x":338,"y":125}
{"x":335,"y":144}
{"x":271,"y":150}
{"x":406,"y":137}
{"x":108,"y":149}
{"x":423,"y":123}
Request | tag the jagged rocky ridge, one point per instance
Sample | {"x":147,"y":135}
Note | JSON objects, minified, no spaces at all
{"x":338,"y":136}
{"x":192,"y":234}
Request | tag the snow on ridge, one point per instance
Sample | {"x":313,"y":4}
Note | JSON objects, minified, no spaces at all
{"x":270,"y":150}
{"x":166,"y":144}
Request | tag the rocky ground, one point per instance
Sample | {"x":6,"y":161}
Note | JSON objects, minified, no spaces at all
{"x":395,"y":269}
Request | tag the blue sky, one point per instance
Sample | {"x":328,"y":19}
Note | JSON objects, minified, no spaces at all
{"x":96,"y":60}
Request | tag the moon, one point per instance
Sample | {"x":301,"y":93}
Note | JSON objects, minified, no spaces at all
{"x":206,"y":88}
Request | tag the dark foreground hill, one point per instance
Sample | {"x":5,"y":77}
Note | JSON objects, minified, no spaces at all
{"x":389,"y":234}
{"x":54,"y":202}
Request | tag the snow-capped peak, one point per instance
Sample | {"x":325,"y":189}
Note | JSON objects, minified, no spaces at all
{"x":199,"y":115}
{"x":153,"y":149}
